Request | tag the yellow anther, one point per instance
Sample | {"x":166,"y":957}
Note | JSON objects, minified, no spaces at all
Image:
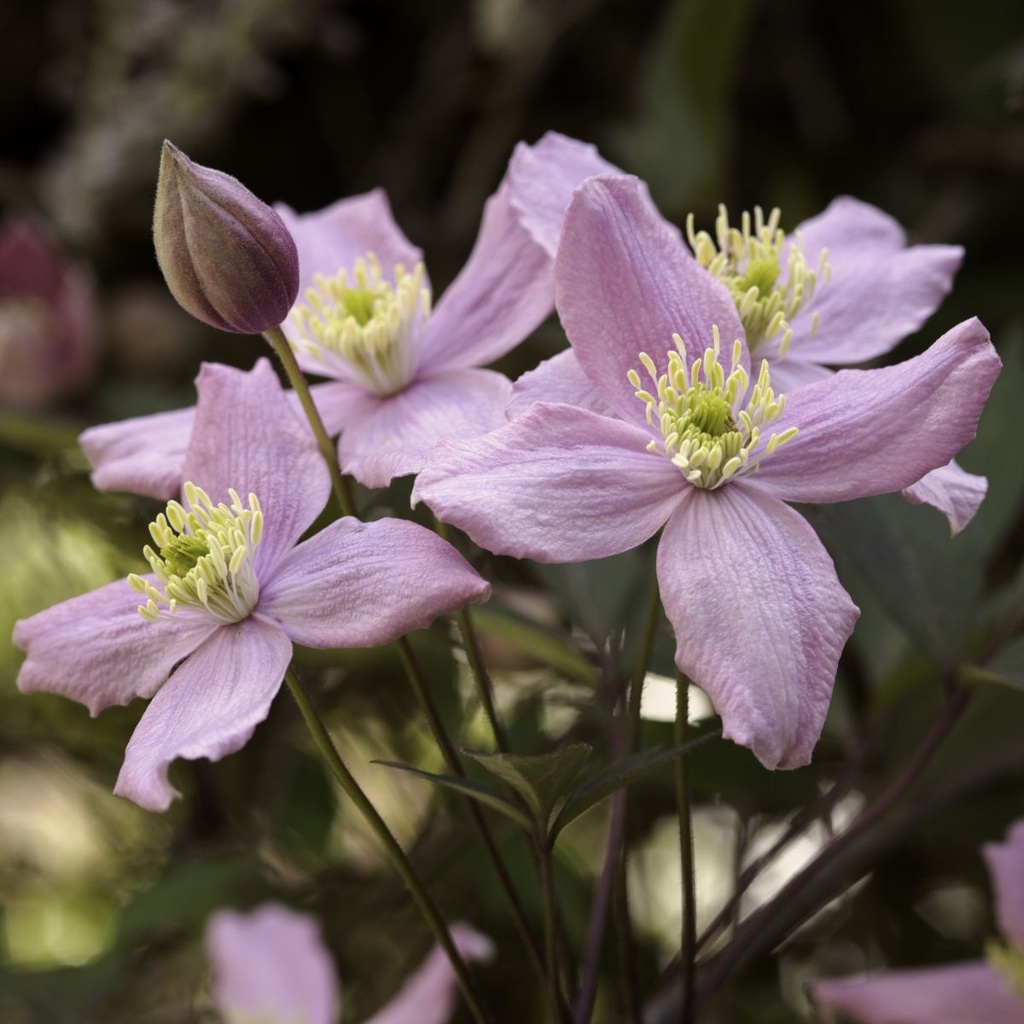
{"x":711,"y":430}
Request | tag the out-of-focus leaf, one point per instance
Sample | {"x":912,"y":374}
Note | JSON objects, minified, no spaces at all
{"x":677,"y":144}
{"x":66,"y":996}
{"x":494,"y":798}
{"x":1007,"y":667}
{"x":536,"y":641}
{"x":541,"y":780}
{"x":902,"y":554}
{"x":603,"y":594}
{"x":616,"y":776}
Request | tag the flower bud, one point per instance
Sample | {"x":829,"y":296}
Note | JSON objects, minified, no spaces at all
{"x":227,"y":257}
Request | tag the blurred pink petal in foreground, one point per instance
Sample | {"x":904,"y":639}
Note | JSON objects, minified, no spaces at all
{"x":271,"y":965}
{"x":977,"y":992}
{"x":47,"y":318}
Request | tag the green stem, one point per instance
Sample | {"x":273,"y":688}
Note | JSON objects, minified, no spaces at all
{"x":419,"y":894}
{"x":688,"y":925}
{"x":454,"y":764}
{"x":547,"y":882}
{"x":279,"y":343}
{"x":484,"y":688}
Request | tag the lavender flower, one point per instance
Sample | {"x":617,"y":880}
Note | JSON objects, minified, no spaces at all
{"x":271,"y":965}
{"x":842,"y":289}
{"x":689,"y":439}
{"x":230,"y":590}
{"x":989,"y":991}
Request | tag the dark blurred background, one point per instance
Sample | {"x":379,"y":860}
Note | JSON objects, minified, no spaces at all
{"x":916,"y":106}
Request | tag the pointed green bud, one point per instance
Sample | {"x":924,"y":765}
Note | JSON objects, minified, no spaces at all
{"x":226,"y":256}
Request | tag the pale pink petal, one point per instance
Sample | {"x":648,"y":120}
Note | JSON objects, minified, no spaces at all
{"x":248,"y":436}
{"x":970,"y":993}
{"x":880,"y":290}
{"x":500,"y":296}
{"x":145,"y":454}
{"x":429,"y":996}
{"x":1006,"y":865}
{"x":333,"y":238}
{"x":866,"y":432}
{"x":956,"y":493}
{"x":791,"y":373}
{"x":142,"y":455}
{"x":558,"y":380}
{"x":541,"y":182}
{"x":98,"y":650}
{"x":388,"y":437}
{"x":271,"y":965}
{"x":759,"y":615}
{"x":625,"y":283}
{"x":558,"y":484}
{"x":208,"y":708}
{"x":357,"y":584}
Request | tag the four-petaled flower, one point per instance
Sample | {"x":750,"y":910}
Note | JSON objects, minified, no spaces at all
{"x":989,"y":991}
{"x":684,"y":439}
{"x":231,"y":589}
{"x":271,"y":967}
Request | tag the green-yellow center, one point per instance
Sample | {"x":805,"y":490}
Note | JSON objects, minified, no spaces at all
{"x":362,"y":327}
{"x":710,"y":429}
{"x":749,"y":260}
{"x":203,"y":558}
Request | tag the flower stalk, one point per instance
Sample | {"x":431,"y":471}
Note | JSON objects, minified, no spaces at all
{"x":329,"y":753}
{"x":688,"y":935}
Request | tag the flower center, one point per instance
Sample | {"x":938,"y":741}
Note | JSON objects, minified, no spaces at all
{"x":205,"y":558}
{"x":749,"y":261}
{"x":704,"y":431}
{"x":1007,"y":960}
{"x":362,"y":327}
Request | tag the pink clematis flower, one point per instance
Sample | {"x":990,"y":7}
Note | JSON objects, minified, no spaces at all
{"x":842,"y":289}
{"x":271,"y":966}
{"x":989,"y":991}
{"x":404,"y":374}
{"x":407,"y":373}
{"x":231,"y":590}
{"x":47,"y":319}
{"x":682,"y":441}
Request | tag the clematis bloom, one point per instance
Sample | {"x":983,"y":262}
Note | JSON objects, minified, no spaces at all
{"x":231,"y":590}
{"x":990,"y":990}
{"x":843,"y":288}
{"x":687,"y":438}
{"x":271,"y":966}
{"x":404,"y":373}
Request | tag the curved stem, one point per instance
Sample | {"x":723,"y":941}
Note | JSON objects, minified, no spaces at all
{"x":484,"y":688}
{"x":279,"y":343}
{"x":352,"y":789}
{"x":454,"y":765}
{"x":688,"y":937}
{"x":547,"y":882}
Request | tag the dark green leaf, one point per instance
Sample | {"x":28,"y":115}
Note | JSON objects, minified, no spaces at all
{"x":542,"y":780}
{"x":615,"y":776}
{"x":494,"y":798}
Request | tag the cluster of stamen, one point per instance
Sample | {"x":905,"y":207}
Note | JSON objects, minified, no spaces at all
{"x":364,"y":326}
{"x":749,"y":260}
{"x":204,"y":558}
{"x":1008,"y":962}
{"x":705,"y":432}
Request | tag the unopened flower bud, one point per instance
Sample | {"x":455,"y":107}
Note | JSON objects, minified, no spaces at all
{"x":227,"y":257}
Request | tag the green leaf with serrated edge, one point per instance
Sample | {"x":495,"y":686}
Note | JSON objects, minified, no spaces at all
{"x":536,"y":641}
{"x":542,"y":780}
{"x":615,"y":776}
{"x":494,"y":798}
